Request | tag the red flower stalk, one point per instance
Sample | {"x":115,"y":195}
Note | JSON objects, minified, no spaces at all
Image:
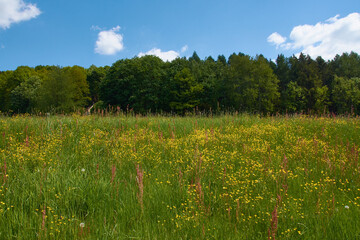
{"x":139,"y":178}
{"x":43,"y":218}
{"x":274,"y":224}
{"x":237,"y":209}
{"x":180,"y":177}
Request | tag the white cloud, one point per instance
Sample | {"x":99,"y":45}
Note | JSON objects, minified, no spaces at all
{"x":109,"y":42}
{"x":165,"y":56}
{"x":326,"y":39}
{"x":14,"y":11}
{"x":184,"y":48}
{"x":276,"y":39}
{"x":333,"y":19}
{"x":96,"y":28}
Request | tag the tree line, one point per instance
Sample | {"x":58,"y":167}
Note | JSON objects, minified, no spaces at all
{"x":148,"y":84}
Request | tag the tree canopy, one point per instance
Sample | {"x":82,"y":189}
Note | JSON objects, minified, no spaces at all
{"x":148,"y":84}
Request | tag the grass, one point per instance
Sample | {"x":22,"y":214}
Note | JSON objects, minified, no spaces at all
{"x":228,"y":177}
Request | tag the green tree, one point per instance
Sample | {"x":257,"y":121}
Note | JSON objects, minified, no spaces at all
{"x":282,"y":71}
{"x":222,"y":72}
{"x":237,"y":83}
{"x":267,"y":84}
{"x":305,"y":72}
{"x":295,"y":96}
{"x":325,"y":71}
{"x":252,"y":86}
{"x":25,"y":97}
{"x":117,"y":87}
{"x":148,"y":84}
{"x":346,"y":95}
{"x":56,"y":93}
{"x":194,"y":57}
{"x":135,"y":83}
{"x":169,"y":85}
{"x":4,"y":91}
{"x":9,"y":81}
{"x":347,"y":65}
{"x":76,"y":77}
{"x":321,"y":99}
{"x":206,"y":74}
{"x":221,"y":60}
{"x":95,"y":75}
{"x":186,"y":92}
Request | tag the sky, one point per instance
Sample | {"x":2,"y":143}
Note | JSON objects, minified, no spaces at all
{"x":86,"y":32}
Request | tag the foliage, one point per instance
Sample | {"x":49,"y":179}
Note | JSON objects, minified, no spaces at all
{"x":26,"y":96}
{"x":79,"y":86}
{"x":185,"y":91}
{"x":252,"y":85}
{"x":346,"y":95}
{"x":147,"y":84}
{"x":95,"y":75}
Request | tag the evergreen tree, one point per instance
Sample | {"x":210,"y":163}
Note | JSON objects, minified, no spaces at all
{"x":186,"y":92}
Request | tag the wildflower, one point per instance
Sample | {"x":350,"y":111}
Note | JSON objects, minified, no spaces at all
{"x":82,"y":225}
{"x":346,"y":206}
{"x":83,"y":169}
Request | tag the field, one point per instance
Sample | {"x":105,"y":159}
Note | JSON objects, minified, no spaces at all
{"x":227,"y":177}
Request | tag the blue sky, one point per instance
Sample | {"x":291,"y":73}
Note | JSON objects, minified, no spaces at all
{"x":79,"y":32}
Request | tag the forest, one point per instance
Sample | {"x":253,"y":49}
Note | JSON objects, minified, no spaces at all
{"x":241,"y":83}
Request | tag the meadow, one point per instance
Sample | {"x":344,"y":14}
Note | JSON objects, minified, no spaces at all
{"x":157,"y":177}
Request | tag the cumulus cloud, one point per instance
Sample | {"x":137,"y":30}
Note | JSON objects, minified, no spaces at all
{"x":109,"y":42}
{"x":14,"y":11}
{"x":276,"y":39}
{"x":165,"y":56}
{"x":326,"y":39}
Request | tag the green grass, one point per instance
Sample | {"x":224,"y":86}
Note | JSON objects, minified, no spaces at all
{"x":197,"y":177}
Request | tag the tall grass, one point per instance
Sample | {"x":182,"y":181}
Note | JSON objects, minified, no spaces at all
{"x":228,"y":177}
